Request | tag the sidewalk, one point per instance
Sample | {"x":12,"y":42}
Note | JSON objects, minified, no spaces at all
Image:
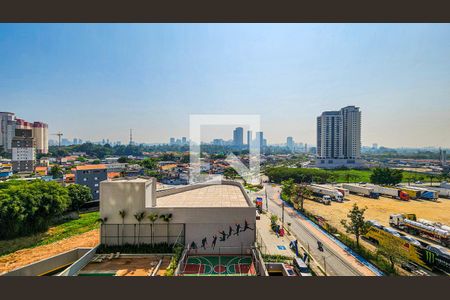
{"x":271,"y":243}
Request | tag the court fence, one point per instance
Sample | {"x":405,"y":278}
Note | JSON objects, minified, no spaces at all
{"x":149,"y":234}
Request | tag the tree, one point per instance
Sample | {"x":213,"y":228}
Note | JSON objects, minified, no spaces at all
{"x":149,"y":164}
{"x":393,"y":251}
{"x":122,"y":159}
{"x":167,"y":218}
{"x":386,"y":176}
{"x":357,"y":225}
{"x":56,"y":171}
{"x":152,"y":218}
{"x":123,"y":214}
{"x":78,"y":195}
{"x":299,"y":193}
{"x":139,"y":217}
{"x":286,"y":188}
{"x":102,"y":222}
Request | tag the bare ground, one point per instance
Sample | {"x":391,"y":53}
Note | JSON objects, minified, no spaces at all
{"x":380,"y":209}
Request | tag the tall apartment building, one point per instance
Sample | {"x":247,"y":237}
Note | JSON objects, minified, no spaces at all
{"x":443,"y":157}
{"x":23,"y":151}
{"x":259,"y":140}
{"x":290,"y":143}
{"x":91,"y":176}
{"x":7,"y":130}
{"x":339,"y":138}
{"x":238,"y":137}
{"x":9,"y":123}
{"x":249,"y":138}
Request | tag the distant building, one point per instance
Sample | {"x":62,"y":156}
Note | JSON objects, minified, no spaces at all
{"x":184,"y":140}
{"x":339,"y":138}
{"x":23,"y":151}
{"x":443,"y":157}
{"x":290,"y":143}
{"x":172,"y":141}
{"x":41,"y":170}
{"x":238,"y":137}
{"x":259,"y":140}
{"x":249,"y":138}
{"x":7,"y":130}
{"x":91,"y":176}
{"x":39,"y":133}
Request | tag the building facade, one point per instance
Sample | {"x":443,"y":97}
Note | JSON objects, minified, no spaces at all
{"x":339,"y":138}
{"x":238,"y":137}
{"x":91,"y":176}
{"x":23,"y":151}
{"x":290,"y":143}
{"x":7,"y":130}
{"x":9,"y":123}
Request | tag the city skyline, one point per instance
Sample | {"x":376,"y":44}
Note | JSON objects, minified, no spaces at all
{"x":96,"y":82}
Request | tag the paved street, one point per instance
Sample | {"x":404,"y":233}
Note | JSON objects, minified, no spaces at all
{"x":334,"y":259}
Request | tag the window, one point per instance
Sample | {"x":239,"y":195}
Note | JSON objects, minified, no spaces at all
{"x":84,"y":179}
{"x":97,"y":192}
{"x":95,"y":178}
{"x":96,"y":185}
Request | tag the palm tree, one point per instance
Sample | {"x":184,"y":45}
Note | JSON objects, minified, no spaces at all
{"x":300,"y":191}
{"x":123,"y":214}
{"x":102,"y":221}
{"x":139,"y":217}
{"x":153,"y":217}
{"x":166,"y":218}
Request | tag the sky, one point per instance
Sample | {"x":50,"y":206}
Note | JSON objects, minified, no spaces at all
{"x":95,"y":81}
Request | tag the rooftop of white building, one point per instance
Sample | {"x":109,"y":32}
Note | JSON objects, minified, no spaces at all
{"x":207,"y":196}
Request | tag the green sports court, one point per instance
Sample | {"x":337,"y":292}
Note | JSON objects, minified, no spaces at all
{"x":218,"y":266}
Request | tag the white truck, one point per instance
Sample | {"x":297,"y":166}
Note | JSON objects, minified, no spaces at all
{"x":321,"y":191}
{"x":362,"y":190}
{"x":388,"y":191}
{"x":410,"y":224}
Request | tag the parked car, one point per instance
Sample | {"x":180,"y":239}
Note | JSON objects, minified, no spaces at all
{"x":300,"y":267}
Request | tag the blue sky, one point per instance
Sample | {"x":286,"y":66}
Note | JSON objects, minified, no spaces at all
{"x":96,"y":81}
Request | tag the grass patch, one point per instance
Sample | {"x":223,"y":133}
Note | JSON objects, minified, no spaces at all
{"x":85,"y":223}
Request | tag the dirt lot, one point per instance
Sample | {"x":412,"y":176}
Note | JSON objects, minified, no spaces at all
{"x":26,"y":256}
{"x":380,"y":209}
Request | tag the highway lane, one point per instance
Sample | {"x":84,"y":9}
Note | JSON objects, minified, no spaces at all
{"x":334,"y":259}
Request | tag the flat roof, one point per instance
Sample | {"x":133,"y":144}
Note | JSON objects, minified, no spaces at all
{"x":130,"y":179}
{"x":90,"y":167}
{"x":206,"y":196}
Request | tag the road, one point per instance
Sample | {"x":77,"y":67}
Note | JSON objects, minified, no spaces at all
{"x":334,"y":259}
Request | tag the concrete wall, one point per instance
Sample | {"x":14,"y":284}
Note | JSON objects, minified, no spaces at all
{"x":49,"y":264}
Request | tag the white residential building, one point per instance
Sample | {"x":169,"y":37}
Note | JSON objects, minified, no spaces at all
{"x":339,"y":138}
